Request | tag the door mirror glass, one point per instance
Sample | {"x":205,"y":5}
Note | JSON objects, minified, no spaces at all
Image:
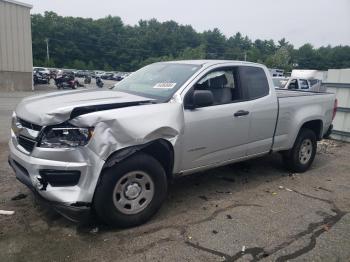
{"x":203,"y":98}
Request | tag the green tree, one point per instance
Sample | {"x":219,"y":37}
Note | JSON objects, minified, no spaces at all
{"x":193,"y":53}
{"x":280,"y":59}
{"x":78,"y":64}
{"x":107,"y":67}
{"x":90,"y":66}
{"x":307,"y":57}
{"x":107,"y":43}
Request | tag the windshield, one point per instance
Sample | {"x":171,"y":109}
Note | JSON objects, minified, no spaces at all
{"x":280,"y":82}
{"x":159,"y":81}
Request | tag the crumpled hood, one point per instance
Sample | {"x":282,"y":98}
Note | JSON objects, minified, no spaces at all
{"x":57,"y":107}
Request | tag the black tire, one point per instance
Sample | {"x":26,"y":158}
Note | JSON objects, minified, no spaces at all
{"x":104,"y":198}
{"x":292,"y":158}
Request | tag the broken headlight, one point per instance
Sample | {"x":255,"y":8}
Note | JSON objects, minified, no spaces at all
{"x":66,"y":136}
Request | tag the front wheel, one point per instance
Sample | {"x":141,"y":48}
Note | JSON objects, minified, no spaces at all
{"x":131,"y":192}
{"x":301,"y":156}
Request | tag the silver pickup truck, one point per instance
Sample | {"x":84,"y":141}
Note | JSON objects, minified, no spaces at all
{"x":114,"y":151}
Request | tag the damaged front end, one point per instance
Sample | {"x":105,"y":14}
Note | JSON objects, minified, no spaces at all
{"x":78,"y":211}
{"x":62,"y":161}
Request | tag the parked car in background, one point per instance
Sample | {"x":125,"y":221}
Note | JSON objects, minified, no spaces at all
{"x":42,"y":70}
{"x":98,"y":74}
{"x":117,"y":76}
{"x":40,"y":78}
{"x":108,"y":76}
{"x":82,"y":73}
{"x":305,"y":84}
{"x":120,"y":76}
{"x":115,"y":151}
{"x":67,"y":80}
{"x":276,"y":72}
{"x":126,"y":75}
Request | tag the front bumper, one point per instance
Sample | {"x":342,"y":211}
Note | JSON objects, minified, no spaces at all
{"x":74,"y":213}
{"x":71,"y":201}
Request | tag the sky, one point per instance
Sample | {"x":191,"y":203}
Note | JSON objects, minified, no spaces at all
{"x":319,"y":22}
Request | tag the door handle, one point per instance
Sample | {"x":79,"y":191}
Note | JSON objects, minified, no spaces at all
{"x":241,"y":113}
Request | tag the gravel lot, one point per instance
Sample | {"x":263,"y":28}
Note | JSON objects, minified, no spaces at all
{"x":250,"y":211}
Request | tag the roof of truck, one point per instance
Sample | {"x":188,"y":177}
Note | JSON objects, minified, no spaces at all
{"x":209,"y":62}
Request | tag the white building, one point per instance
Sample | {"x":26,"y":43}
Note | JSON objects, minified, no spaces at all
{"x":338,"y":82}
{"x":16,"y":59}
{"x":310,"y":74}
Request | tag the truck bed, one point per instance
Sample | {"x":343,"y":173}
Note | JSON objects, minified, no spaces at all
{"x":296,"y":107}
{"x":282,"y":93}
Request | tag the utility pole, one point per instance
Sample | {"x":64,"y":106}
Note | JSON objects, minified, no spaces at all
{"x":245,"y":56}
{"x":47,"y":50}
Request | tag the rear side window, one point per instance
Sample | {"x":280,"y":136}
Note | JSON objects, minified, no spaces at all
{"x":254,"y":80}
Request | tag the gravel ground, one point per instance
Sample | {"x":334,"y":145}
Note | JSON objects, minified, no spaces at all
{"x":250,"y":211}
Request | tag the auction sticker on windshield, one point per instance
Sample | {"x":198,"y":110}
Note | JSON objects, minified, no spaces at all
{"x":165,"y":85}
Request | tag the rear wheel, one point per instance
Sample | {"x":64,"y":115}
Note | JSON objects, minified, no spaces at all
{"x":131,"y":192}
{"x":301,"y":156}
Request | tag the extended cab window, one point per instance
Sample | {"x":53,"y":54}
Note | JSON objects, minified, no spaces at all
{"x":222,"y":83}
{"x":253,"y":79}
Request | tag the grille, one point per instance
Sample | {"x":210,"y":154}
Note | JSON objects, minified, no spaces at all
{"x":26,"y":143}
{"x":29,"y":125}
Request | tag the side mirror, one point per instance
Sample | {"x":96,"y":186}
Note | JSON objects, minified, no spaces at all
{"x":202,"y":98}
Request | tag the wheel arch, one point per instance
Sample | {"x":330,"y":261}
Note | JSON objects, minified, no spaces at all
{"x":161,"y":149}
{"x":316,"y":126}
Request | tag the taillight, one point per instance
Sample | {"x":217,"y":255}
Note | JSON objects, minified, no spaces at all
{"x":335,"y":108}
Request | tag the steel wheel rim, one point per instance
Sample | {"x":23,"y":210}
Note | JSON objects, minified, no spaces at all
{"x":305,"y":151}
{"x":133,"y":192}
